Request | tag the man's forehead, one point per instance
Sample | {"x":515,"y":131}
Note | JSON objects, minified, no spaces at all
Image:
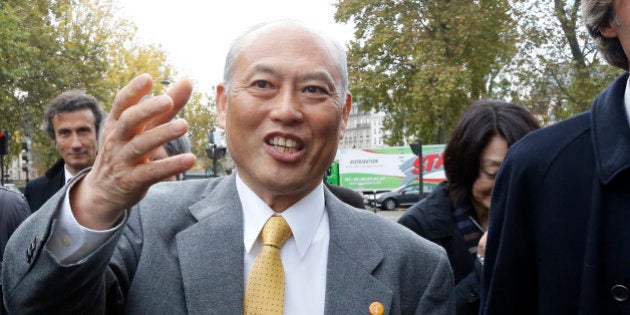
{"x":297,"y":44}
{"x":63,"y":117}
{"x":285,"y":33}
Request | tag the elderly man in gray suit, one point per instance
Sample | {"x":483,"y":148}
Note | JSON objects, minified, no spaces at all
{"x":115,"y":243}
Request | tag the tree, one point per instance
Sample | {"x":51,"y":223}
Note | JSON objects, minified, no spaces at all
{"x":53,"y":46}
{"x":423,"y":62}
{"x":199,"y":112}
{"x":557,"y":72}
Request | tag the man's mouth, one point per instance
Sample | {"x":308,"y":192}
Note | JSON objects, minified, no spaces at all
{"x":284,"y":145}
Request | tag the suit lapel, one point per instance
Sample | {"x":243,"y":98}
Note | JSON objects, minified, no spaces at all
{"x":211,"y":266}
{"x":353,"y":256}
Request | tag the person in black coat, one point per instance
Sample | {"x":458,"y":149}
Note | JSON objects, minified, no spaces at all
{"x":13,"y":210}
{"x":72,"y":121}
{"x":559,"y":228}
{"x":455,"y":214}
{"x":346,"y":195}
{"x":40,"y":189}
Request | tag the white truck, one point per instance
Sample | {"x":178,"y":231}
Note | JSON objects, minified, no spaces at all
{"x":375,"y":171}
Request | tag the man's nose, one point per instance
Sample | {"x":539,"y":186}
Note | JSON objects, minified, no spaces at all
{"x":76,"y":141}
{"x":287,"y":107}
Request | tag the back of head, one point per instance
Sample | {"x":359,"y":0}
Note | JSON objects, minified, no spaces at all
{"x":71,"y":101}
{"x":482,"y":121}
{"x":178,"y":145}
{"x":598,"y":14}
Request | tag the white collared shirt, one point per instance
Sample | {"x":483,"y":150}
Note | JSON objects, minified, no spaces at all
{"x":304,"y":255}
{"x":66,"y":174}
{"x":626,"y":100}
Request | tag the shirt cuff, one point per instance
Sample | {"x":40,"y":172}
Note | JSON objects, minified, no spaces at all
{"x":71,"y":242}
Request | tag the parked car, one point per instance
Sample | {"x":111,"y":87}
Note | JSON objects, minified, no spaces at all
{"x":402,"y":196}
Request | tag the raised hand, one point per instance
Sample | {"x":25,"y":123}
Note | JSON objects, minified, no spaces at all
{"x":122,"y":172}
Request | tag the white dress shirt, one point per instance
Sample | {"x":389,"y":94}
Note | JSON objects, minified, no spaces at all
{"x":66,"y":174}
{"x":304,"y":255}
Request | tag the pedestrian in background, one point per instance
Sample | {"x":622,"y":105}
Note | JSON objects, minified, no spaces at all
{"x":174,"y":147}
{"x":72,"y":121}
{"x":559,"y":228}
{"x":13,"y":210}
{"x":455,"y":214}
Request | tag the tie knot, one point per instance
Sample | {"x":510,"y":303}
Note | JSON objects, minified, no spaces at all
{"x":275,"y":232}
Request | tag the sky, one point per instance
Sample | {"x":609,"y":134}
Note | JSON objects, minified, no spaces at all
{"x":196,"y":34}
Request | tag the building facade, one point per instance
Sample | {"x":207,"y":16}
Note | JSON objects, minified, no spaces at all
{"x":363,"y":130}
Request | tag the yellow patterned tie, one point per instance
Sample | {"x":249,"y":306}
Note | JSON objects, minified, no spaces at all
{"x":265,"y":288}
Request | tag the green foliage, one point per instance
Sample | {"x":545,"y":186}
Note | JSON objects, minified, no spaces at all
{"x":557,"y":72}
{"x":199,"y":112}
{"x":52,"y":46}
{"x":423,"y":62}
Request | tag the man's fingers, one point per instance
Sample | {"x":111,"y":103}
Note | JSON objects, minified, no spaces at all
{"x":142,"y":145}
{"x":136,"y":120}
{"x":179,"y":94}
{"x":131,"y":94}
{"x":156,"y":171}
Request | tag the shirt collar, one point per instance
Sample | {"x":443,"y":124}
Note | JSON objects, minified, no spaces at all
{"x":303,"y":217}
{"x":626,"y":100}
{"x":66,"y":174}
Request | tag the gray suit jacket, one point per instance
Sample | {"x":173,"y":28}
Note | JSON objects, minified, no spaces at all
{"x":182,"y":252}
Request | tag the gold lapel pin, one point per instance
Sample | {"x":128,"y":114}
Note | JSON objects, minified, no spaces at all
{"x":376,"y":308}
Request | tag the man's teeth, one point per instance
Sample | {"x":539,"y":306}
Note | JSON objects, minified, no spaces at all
{"x":284,"y":145}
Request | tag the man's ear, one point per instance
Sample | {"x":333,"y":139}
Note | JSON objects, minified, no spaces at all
{"x":344,"y":118}
{"x":221,"y":104}
{"x":611,"y":29}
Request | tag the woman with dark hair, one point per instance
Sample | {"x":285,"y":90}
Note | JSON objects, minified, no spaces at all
{"x":455,"y":214}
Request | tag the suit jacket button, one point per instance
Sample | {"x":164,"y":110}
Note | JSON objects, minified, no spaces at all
{"x":620,"y":293}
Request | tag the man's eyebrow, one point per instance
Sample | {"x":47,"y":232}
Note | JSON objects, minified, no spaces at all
{"x":265,"y":69}
{"x":318,"y":76}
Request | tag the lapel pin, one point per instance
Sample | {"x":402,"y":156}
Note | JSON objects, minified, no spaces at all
{"x":376,"y":308}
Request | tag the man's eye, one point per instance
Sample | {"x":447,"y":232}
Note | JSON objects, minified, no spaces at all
{"x":314,"y":89}
{"x":262,"y":84}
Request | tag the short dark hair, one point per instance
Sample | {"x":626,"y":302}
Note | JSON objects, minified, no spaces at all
{"x":475,"y":128}
{"x":71,"y":101}
{"x":598,"y":14}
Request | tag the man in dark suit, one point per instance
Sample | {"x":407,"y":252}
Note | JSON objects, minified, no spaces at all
{"x":187,"y":247}
{"x":13,"y":210}
{"x":72,"y":121}
{"x":559,"y":225}
{"x":346,"y":195}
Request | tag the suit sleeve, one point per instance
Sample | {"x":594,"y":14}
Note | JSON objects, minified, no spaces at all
{"x":509,"y":275}
{"x":438,"y":296}
{"x":35,"y":282}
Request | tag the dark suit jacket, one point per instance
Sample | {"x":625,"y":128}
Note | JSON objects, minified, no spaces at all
{"x":181,"y":252}
{"x":40,"y":189}
{"x":13,"y":210}
{"x":346,"y":195}
{"x":560,"y":217}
